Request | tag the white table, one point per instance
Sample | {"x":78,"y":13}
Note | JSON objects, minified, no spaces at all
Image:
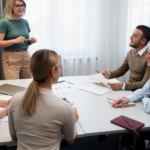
{"x":94,"y":111}
{"x":5,"y":138}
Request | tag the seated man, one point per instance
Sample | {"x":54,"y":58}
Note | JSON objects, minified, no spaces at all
{"x":4,"y":103}
{"x":139,"y":95}
{"x":135,"y":62}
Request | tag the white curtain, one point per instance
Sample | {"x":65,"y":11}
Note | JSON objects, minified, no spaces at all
{"x":138,"y":14}
{"x":88,"y":34}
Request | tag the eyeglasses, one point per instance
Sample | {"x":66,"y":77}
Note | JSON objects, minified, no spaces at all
{"x":20,"y":6}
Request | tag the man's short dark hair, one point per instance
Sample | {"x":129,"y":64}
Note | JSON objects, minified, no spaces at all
{"x":146,"y":32}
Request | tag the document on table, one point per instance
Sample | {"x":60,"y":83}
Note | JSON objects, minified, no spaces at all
{"x":96,"y":89}
{"x":63,"y":87}
{"x":4,"y":97}
{"x":5,"y":118}
{"x":99,"y":79}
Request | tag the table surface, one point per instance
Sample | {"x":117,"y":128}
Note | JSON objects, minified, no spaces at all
{"x":94,"y":111}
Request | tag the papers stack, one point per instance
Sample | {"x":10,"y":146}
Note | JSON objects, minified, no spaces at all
{"x":99,"y":79}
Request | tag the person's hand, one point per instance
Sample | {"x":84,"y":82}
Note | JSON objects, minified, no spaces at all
{"x":105,"y":74}
{"x":20,"y":39}
{"x":76,"y":114}
{"x":116,"y":86}
{"x":33,"y":40}
{"x":119,"y":102}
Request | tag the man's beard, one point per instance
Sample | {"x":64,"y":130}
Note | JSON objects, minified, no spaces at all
{"x":134,"y":45}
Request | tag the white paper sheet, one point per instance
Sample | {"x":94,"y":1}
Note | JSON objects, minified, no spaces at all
{"x":4,"y":119}
{"x":1,"y":108}
{"x":96,"y":89}
{"x":63,"y":87}
{"x":5,"y":97}
{"x":99,"y":78}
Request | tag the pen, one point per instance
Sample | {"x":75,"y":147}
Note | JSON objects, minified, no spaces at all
{"x":69,"y":82}
{"x":127,"y":121}
{"x":60,"y":81}
{"x":111,"y":99}
{"x":71,"y":103}
{"x":115,"y":100}
{"x":97,"y":71}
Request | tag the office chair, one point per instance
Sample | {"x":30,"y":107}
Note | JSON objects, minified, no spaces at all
{"x":61,"y":67}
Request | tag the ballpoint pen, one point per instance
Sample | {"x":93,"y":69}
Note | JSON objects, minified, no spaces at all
{"x":71,"y":103}
{"x":115,"y":100}
{"x":97,"y":71}
{"x":69,"y":82}
{"x":127,"y":121}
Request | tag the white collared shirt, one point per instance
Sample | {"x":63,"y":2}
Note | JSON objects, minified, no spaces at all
{"x":141,"y":51}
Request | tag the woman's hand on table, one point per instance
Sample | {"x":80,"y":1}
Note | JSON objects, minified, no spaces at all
{"x":76,"y":114}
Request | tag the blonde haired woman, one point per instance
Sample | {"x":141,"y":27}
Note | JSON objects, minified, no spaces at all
{"x":37,"y":118}
{"x":14,"y":39}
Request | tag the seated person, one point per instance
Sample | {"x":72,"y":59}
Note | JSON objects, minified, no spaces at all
{"x":139,"y":95}
{"x":135,"y":62}
{"x":4,"y":103}
{"x":37,"y":118}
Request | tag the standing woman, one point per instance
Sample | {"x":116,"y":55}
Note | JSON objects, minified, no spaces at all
{"x":14,"y":39}
{"x":37,"y":118}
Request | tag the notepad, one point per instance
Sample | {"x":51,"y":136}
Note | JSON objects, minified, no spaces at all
{"x":121,"y":122}
{"x":125,"y":105}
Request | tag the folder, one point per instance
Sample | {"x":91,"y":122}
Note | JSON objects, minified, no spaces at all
{"x":121,"y":122}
